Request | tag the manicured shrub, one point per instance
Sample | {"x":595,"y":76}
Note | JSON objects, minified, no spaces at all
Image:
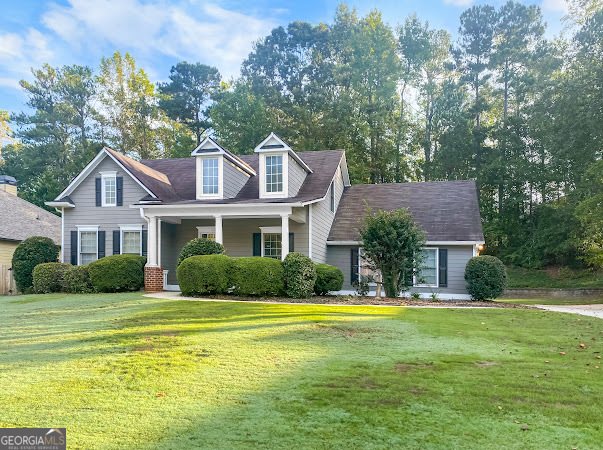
{"x":486,"y":277}
{"x":117,"y":273}
{"x":200,"y":246}
{"x":299,"y":275}
{"x":49,"y":277}
{"x":257,"y":276}
{"x":328,"y":279}
{"x":28,"y":254}
{"x":77,"y":280}
{"x":206,"y":274}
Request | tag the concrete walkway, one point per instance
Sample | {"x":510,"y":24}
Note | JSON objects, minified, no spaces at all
{"x":584,"y":310}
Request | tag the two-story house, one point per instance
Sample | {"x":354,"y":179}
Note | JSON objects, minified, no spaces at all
{"x":268,"y":204}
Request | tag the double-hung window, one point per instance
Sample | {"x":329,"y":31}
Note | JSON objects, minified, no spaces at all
{"x":274,"y":173}
{"x":211,"y":176}
{"x":109,"y":189}
{"x":131,"y":240}
{"x":427,"y":274}
{"x":88,"y":245}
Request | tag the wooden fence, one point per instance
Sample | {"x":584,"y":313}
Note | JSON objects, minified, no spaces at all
{"x":7,"y":282}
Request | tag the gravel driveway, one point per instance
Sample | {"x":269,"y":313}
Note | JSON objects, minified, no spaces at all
{"x":585,"y":310}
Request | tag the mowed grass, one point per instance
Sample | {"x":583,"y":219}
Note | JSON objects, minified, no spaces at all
{"x":552,"y":301}
{"x":125,"y":371}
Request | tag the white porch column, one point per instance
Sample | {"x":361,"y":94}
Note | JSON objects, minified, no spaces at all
{"x":152,"y":260}
{"x":219,"y":235}
{"x":158,"y":242}
{"x":285,"y":235}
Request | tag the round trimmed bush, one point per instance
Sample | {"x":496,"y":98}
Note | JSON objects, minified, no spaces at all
{"x":257,"y":276}
{"x":200,"y":246}
{"x":49,"y":277}
{"x":205,"y":274}
{"x":299,"y":275}
{"x":328,"y":278}
{"x":117,"y":273}
{"x":28,"y":254}
{"x":77,"y":280}
{"x":486,"y":277}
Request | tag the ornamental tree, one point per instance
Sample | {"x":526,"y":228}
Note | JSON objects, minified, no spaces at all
{"x":392,"y":243}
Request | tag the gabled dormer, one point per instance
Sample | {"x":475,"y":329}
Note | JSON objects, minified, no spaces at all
{"x":219,"y":173}
{"x":282,"y":171}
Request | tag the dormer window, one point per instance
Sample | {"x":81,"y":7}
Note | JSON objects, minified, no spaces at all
{"x":274,"y":173}
{"x":211,"y":177}
{"x":282,"y":171}
{"x":213,"y":164}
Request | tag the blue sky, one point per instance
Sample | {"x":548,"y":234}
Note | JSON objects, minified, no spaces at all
{"x":160,"y":33}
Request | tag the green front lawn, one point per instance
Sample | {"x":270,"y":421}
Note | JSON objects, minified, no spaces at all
{"x":122,"y":370}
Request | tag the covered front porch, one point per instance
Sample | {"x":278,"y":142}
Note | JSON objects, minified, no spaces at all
{"x":243,"y":231}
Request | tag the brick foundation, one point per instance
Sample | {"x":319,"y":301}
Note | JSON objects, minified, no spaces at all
{"x":153,"y":279}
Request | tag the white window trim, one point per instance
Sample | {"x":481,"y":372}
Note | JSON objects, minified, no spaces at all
{"x":200,"y":194}
{"x":123,"y":228}
{"x":285,"y":192}
{"x":104,"y":176}
{"x":270,"y":230}
{"x":437,"y":271}
{"x":80,"y":229}
{"x":206,"y":230}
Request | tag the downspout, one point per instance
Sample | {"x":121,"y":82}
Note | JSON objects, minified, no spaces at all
{"x":310,"y":230}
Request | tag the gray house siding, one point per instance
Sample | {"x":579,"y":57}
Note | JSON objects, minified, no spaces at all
{"x":237,"y":233}
{"x":297,"y":175}
{"x":233,"y":179}
{"x":107,"y":218}
{"x":340,"y":256}
{"x":322,"y":219}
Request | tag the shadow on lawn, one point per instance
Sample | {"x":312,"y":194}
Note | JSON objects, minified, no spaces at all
{"x":68,"y":333}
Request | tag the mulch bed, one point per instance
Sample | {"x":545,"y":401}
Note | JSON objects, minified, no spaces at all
{"x":369,"y":301}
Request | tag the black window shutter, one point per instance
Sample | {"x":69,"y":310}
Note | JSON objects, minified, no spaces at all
{"x":74,"y":248}
{"x":98,"y":192}
{"x":145,"y":234}
{"x":119,"y":190}
{"x":101,"y":244}
{"x":354,"y":265}
{"x":443,"y":267}
{"x":116,"y":245}
{"x":257,"y":244}
{"x":291,"y":243}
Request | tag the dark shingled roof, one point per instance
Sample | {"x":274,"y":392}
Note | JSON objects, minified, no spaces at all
{"x":157,"y":182}
{"x":181,"y":175}
{"x":20,"y":219}
{"x":446,"y":210}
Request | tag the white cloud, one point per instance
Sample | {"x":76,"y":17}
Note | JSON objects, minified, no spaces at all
{"x":460,"y":3}
{"x":555,"y":5}
{"x":18,"y":53}
{"x":196,"y":32}
{"x":10,"y":82}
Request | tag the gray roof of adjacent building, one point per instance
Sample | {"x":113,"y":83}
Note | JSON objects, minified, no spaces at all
{"x":20,"y":219}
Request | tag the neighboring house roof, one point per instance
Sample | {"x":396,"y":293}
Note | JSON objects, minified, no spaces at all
{"x":445,"y":210}
{"x":181,"y":173}
{"x":21,"y":219}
